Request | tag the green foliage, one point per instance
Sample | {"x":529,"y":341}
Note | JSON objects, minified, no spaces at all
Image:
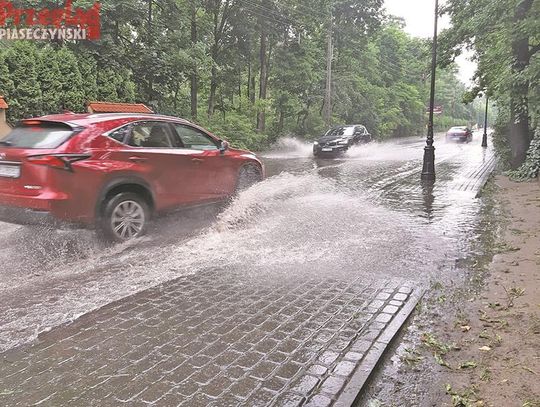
{"x":151,"y":51}
{"x":531,"y":167}
{"x":49,"y":77}
{"x":26,"y":99}
{"x":7,"y":87}
{"x":237,"y":129}
{"x":72,"y":94}
{"x":505,"y":38}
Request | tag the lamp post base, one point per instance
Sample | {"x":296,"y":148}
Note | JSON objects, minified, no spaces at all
{"x":484,"y":140}
{"x":428,"y":170}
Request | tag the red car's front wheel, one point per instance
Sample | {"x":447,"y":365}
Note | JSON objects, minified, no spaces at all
{"x":248,"y":176}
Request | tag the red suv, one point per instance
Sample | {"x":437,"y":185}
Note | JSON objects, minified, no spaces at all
{"x":115,"y":171}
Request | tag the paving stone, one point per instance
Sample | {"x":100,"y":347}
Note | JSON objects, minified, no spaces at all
{"x":244,"y":387}
{"x":405,"y":290}
{"x":187,"y":388}
{"x":277,"y":357}
{"x":344,"y":368}
{"x":332,"y":386}
{"x":390,"y":309}
{"x":217,"y":386}
{"x":319,"y":400}
{"x":288,"y":370}
{"x":317,"y":370}
{"x":361,"y":346}
{"x":275,"y":384}
{"x":289,"y":400}
{"x":205,"y":375}
{"x":353,"y":356}
{"x":400,"y":297}
{"x":383,"y":318}
{"x":199,"y":360}
{"x":263,"y":370}
{"x":328,"y":357}
{"x":383,"y":296}
{"x":305,"y":384}
{"x":155,"y":391}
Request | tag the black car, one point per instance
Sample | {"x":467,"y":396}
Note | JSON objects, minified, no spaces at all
{"x":340,"y":139}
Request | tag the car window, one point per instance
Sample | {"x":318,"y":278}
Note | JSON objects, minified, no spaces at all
{"x":360,"y":130}
{"x":194,"y":139}
{"x":121,"y":134}
{"x":151,"y":134}
{"x":341,"y":131}
{"x":39,"y":135}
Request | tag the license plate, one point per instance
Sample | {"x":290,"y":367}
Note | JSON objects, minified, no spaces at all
{"x":10,"y":171}
{"x":327,"y":149}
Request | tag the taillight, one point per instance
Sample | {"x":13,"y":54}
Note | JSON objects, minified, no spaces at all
{"x":62,"y":161}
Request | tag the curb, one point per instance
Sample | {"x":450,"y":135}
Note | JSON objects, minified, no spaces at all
{"x":353,"y":389}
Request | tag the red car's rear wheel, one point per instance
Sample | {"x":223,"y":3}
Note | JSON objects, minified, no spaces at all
{"x":125,"y":217}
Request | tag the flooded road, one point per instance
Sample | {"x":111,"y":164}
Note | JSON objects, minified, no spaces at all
{"x":364,"y":214}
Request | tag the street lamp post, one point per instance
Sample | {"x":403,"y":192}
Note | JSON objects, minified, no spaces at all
{"x":428,"y":170}
{"x":484,"y":136}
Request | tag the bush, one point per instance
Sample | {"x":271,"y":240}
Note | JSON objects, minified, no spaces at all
{"x":236,"y":129}
{"x":531,"y":167}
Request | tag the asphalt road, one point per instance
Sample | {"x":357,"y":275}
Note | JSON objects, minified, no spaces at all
{"x":363,"y":215}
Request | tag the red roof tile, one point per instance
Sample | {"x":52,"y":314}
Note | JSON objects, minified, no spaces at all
{"x":3,"y":104}
{"x":109,"y":107}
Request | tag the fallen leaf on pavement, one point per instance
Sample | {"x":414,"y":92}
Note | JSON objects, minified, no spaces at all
{"x":484,"y":348}
{"x":468,"y":365}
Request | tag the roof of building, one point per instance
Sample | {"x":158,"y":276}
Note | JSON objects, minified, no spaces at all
{"x":3,"y":103}
{"x":110,"y":107}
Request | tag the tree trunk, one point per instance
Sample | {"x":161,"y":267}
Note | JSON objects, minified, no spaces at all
{"x":249,"y":81}
{"x":281,"y":121}
{"x":327,"y":107}
{"x":194,"y":80}
{"x":261,"y":115}
{"x":150,"y":41}
{"x":519,"y":110}
{"x":213,"y":88}
{"x":252,"y":94}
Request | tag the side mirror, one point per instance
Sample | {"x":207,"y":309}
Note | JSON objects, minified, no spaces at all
{"x":223,"y":147}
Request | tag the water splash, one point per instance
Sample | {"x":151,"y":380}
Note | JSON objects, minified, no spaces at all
{"x":290,"y":147}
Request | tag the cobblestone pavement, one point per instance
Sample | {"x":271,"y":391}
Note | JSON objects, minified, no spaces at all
{"x":217,"y":339}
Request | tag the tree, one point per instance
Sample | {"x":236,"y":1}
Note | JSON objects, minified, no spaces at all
{"x":72,"y":96}
{"x":49,"y":77}
{"x":505,"y":38}
{"x":7,"y":87}
{"x":26,"y":99}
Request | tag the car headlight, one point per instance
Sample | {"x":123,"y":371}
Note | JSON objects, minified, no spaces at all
{"x":343,"y":142}
{"x":315,"y":143}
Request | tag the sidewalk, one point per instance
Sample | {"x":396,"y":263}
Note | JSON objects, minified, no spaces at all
{"x":216,"y":339}
{"x":499,"y":332}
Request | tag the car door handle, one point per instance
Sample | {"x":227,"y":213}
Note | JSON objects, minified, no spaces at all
{"x":197,"y":160}
{"x":137,"y":159}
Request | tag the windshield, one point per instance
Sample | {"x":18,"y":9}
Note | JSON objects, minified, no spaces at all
{"x":42,"y":135}
{"x":341,"y":131}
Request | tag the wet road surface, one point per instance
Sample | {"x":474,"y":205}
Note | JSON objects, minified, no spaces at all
{"x":364,"y":215}
{"x":286,"y":296}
